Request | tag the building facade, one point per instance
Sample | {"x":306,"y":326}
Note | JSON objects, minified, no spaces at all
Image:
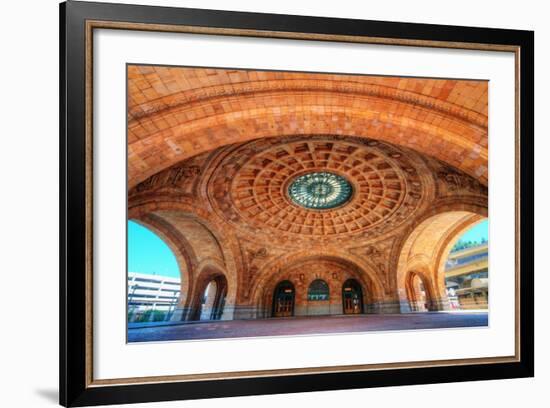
{"x":151,"y":297}
{"x":467,"y":275}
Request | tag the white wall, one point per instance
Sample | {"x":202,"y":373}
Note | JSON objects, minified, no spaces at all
{"x":28,"y":167}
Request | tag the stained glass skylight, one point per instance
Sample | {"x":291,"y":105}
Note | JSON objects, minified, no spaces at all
{"x":320,"y":190}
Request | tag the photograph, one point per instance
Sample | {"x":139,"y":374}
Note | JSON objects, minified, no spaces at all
{"x":257,"y":203}
{"x":274,"y":204}
{"x":287,"y":203}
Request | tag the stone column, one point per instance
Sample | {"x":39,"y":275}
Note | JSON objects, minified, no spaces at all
{"x":208,"y":305}
{"x":440,"y":304}
{"x":228,"y":312}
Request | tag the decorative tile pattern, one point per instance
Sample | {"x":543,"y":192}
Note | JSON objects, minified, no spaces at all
{"x":175,"y":113}
{"x":249,"y":188}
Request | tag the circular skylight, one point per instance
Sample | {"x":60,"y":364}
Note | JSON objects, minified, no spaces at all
{"x":320,"y":190}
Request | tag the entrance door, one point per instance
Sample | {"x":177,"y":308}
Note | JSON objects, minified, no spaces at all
{"x":283,"y":300}
{"x":352,"y":297}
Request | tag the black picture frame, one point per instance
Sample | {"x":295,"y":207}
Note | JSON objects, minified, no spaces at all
{"x":75,"y":388}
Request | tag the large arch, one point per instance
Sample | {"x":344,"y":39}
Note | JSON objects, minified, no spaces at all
{"x":427,"y":139}
{"x":412,"y":285}
{"x":424,"y":249}
{"x":208,"y":245}
{"x":176,"y":121}
{"x":210,"y":274}
{"x":180,"y":248}
{"x":343,"y":267}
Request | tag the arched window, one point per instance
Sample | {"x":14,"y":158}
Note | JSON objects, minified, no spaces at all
{"x":318,"y":290}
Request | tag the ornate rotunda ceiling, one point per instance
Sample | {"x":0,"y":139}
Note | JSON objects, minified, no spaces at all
{"x":317,"y":187}
{"x":288,"y":191}
{"x":287,"y":159}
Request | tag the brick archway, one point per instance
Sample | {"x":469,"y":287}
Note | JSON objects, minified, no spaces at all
{"x":210,"y":274}
{"x":412,"y":280}
{"x":181,"y":249}
{"x":423,"y":251}
{"x":171,"y":120}
{"x":301,"y":269}
{"x":209,"y":246}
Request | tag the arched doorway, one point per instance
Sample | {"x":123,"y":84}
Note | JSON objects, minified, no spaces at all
{"x":352,"y":297}
{"x":418,"y":293}
{"x":424,"y":252}
{"x":212,"y":301}
{"x":316,"y":299}
{"x":283,"y":299}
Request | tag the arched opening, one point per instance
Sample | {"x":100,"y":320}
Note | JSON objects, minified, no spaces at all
{"x":318,"y":291}
{"x":154,"y":281}
{"x":466,"y":269}
{"x":212,"y":300}
{"x":279,"y":114}
{"x":319,"y":298}
{"x":421,"y":268}
{"x":198,"y":244}
{"x":283,"y":299}
{"x":418,"y":293}
{"x":352,"y":297}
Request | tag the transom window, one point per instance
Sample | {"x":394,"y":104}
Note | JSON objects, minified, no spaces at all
{"x":318,"y":290}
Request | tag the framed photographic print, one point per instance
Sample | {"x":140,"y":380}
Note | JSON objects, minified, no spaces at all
{"x":256,"y":203}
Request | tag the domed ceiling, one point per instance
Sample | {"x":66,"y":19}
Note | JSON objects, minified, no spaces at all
{"x":310,"y":189}
{"x":291,"y":159}
{"x":251,"y":187}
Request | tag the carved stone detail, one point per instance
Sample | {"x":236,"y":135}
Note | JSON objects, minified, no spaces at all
{"x":454,"y":182}
{"x":179,"y":176}
{"x":258,"y":254}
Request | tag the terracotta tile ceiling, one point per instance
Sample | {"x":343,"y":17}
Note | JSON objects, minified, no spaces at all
{"x":176,"y":113}
{"x":244,"y":188}
{"x":385,"y":182}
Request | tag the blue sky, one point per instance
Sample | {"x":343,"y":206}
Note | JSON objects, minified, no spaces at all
{"x":147,"y":253}
{"x":477,"y":232}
